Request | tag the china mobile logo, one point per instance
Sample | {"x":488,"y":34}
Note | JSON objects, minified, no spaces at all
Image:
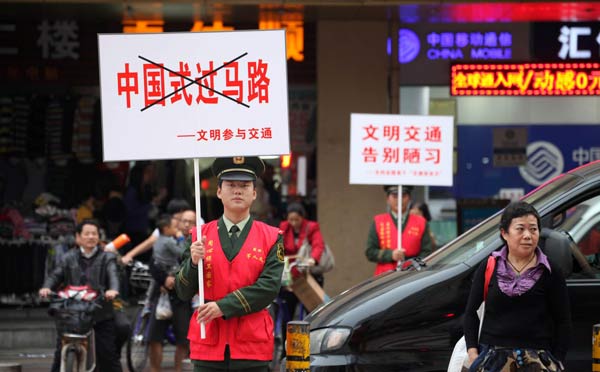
{"x":544,"y":161}
{"x":408,"y":45}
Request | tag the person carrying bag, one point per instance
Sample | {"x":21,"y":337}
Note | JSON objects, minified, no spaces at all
{"x":163,"y":307}
{"x":302,"y":241}
{"x":326,"y":262}
{"x":459,"y":361}
{"x":527,"y":324}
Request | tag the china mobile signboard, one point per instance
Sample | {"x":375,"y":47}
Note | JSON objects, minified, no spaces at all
{"x":401,"y":149}
{"x":192,"y":95}
{"x":424,"y":53}
{"x":550,"y":150}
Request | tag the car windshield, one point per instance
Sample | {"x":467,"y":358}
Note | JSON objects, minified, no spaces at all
{"x":486,"y":233}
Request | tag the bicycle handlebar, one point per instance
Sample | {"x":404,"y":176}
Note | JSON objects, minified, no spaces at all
{"x":53,"y":297}
{"x":137,"y":263}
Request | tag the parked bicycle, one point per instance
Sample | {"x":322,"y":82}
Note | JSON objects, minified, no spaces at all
{"x":138,"y":345}
{"x":73,"y":309}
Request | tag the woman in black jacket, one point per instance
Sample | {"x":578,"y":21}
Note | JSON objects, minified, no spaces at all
{"x":527,"y":320}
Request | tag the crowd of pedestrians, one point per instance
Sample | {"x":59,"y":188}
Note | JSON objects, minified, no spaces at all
{"x":242,"y":253}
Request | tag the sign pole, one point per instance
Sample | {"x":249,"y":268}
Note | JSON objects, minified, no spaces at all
{"x":260,"y":118}
{"x":400,"y":222}
{"x":199,"y":236}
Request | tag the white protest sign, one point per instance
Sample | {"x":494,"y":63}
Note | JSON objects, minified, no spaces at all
{"x":401,"y":149}
{"x":191,"y":95}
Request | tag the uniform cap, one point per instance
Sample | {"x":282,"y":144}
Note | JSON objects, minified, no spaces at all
{"x":238,"y":168}
{"x":393,"y":189}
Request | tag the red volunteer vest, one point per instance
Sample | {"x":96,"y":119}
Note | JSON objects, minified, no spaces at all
{"x":387,"y":231}
{"x":249,"y":336}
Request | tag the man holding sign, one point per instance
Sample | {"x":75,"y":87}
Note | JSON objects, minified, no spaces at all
{"x":382,"y":242}
{"x":242,"y":267}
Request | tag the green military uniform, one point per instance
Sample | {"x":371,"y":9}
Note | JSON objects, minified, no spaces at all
{"x":246,"y":300}
{"x":374,"y":252}
{"x":258,"y":296}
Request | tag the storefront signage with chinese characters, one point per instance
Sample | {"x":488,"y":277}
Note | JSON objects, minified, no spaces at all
{"x":510,"y":146}
{"x":565,"y":41}
{"x":424,"y":54}
{"x":59,"y":39}
{"x":469,"y":45}
{"x":489,"y":45}
{"x":190,"y":95}
{"x":289,"y":17}
{"x":526,"y":79}
{"x":551,"y":149}
{"x":401,"y":150}
{"x":55,"y":51}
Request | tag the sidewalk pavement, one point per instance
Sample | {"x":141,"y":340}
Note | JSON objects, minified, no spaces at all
{"x":40,"y":360}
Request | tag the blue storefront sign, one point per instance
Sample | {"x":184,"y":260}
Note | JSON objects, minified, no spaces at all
{"x":455,"y":45}
{"x":551,"y":150}
{"x":424,"y":54}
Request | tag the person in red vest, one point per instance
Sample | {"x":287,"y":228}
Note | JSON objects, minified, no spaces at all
{"x":296,"y":230}
{"x":382,"y":241}
{"x":242,"y":266}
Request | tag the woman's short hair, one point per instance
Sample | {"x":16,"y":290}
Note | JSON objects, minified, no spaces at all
{"x":424,"y":208}
{"x":515,"y":210}
{"x":296,"y":208}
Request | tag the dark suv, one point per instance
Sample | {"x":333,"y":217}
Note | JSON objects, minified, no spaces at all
{"x":409,"y":320}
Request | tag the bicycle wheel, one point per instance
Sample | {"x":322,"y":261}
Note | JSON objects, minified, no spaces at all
{"x":71,"y":361}
{"x":137,"y":345}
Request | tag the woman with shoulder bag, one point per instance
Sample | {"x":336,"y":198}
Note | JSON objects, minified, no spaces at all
{"x":298,"y":230}
{"x":527,"y":322}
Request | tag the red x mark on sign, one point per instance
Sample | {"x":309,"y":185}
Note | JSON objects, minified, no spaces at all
{"x":194,"y":81}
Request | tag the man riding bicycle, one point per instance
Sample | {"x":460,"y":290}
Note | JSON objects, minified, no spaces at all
{"x":90,"y":265}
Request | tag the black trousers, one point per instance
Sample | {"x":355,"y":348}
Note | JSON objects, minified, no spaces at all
{"x":122,"y":330}
{"x":107,"y":358}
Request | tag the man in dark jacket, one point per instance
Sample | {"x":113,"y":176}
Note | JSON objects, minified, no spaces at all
{"x":89,"y":265}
